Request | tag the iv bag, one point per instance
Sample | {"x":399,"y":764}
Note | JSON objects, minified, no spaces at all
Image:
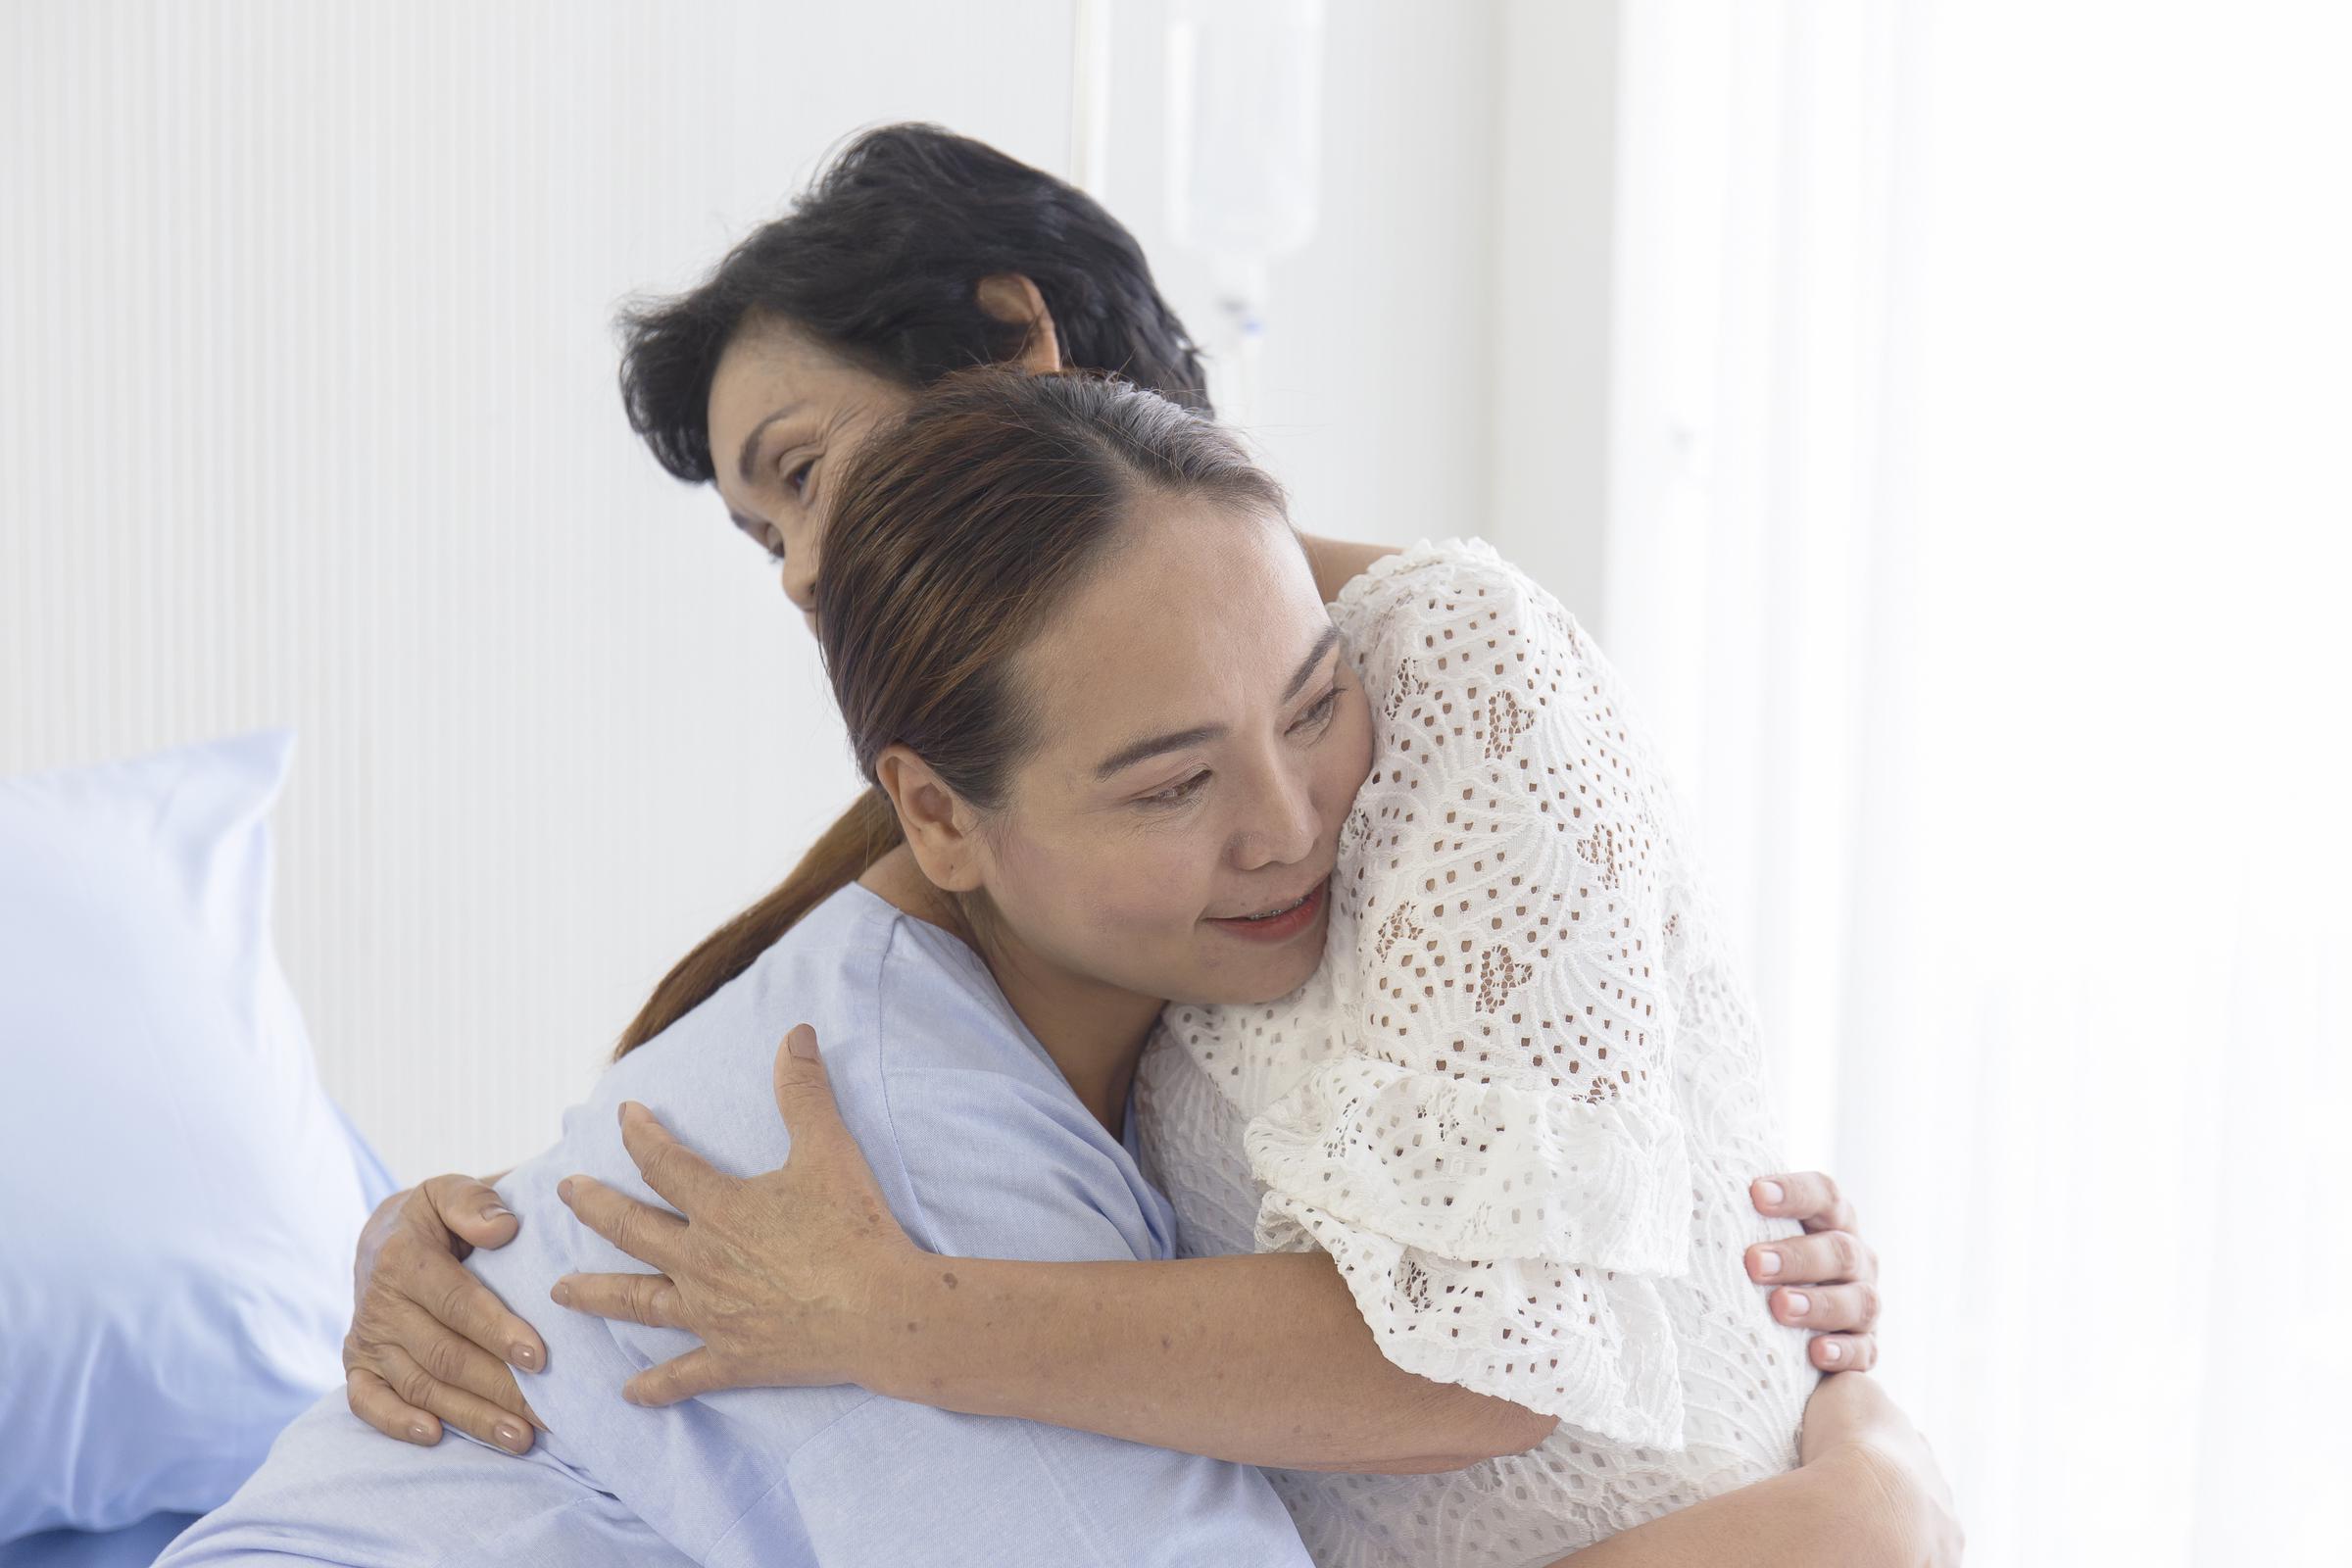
{"x":1244,"y":111}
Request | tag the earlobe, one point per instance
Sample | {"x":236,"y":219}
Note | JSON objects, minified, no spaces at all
{"x":1014,"y":297}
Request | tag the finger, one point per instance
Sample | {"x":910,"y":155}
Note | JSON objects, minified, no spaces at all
{"x":683,"y":1179}
{"x":1833,"y":1257}
{"x":804,"y":1091}
{"x":679,"y":1378}
{"x":468,"y":1412}
{"x":452,"y":1360}
{"x":472,"y":1210}
{"x":1809,"y":1196}
{"x":453,"y":1293}
{"x":372,"y":1400}
{"x":1829,"y":1309}
{"x":647,"y":1234}
{"x":647,"y":1299}
{"x":1844,"y":1353}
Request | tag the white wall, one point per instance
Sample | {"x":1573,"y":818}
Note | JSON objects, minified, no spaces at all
{"x":306,"y":417}
{"x":1555,"y":267}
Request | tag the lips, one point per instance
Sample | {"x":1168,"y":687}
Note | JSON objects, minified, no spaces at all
{"x":1271,"y":914}
{"x":1271,"y":910}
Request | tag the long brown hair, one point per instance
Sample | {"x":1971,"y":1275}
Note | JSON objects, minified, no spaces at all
{"x":954,"y":536}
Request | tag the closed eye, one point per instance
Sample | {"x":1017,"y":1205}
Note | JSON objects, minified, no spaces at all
{"x":1313,"y":718}
{"x":1176,"y":794}
{"x":1321,"y":713}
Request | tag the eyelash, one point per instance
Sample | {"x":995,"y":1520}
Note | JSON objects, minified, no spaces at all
{"x":1178,"y":794}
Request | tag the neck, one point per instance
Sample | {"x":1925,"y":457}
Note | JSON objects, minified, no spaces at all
{"x":1094,"y":1032}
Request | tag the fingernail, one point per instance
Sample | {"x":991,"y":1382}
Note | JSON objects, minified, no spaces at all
{"x":563,"y":1188}
{"x":523,"y":1355}
{"x":510,"y":1435}
{"x":421,"y":1432}
{"x":496,"y":1212}
{"x":1768,"y":1263}
{"x":1771,"y":1191}
{"x":1833,"y":1351}
{"x":1799,"y":1303}
{"x":801,"y":1042}
{"x":562,"y":1293}
{"x":628,"y":1105}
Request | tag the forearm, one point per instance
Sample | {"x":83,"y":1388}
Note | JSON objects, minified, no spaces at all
{"x":1838,"y":1512}
{"x":1261,"y":1360}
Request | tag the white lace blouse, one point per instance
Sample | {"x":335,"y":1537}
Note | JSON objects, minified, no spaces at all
{"x":1520,"y":1104}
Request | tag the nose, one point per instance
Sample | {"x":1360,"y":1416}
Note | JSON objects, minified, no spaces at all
{"x":1282,"y":826}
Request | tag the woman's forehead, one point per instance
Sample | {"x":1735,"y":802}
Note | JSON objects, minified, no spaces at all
{"x":771,"y":367}
{"x":1199,"y":616}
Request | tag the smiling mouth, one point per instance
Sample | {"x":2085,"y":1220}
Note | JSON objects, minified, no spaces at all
{"x":1279,"y":909}
{"x":1276,"y":911}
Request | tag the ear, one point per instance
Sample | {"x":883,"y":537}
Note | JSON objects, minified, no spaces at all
{"x":942,"y":831}
{"x":1011,"y":297}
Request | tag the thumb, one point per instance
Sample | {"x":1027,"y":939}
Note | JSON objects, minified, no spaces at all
{"x":473,"y":1210}
{"x":803,"y":1092}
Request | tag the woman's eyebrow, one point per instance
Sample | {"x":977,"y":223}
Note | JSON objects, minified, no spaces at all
{"x":751,"y":443}
{"x":1331,"y":634}
{"x":1128,"y":755}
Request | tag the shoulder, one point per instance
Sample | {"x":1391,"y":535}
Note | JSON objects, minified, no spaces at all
{"x":1424,"y":577}
{"x":978,"y":1141}
{"x":1458,"y":614}
{"x":999,"y":1156}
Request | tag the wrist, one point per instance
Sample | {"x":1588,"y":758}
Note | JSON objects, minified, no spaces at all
{"x":907,"y":1305}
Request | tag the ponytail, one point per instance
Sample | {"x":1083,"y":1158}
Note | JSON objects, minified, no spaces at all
{"x":867,"y":831}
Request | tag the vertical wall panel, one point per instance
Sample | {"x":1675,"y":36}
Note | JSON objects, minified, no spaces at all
{"x":306,"y":417}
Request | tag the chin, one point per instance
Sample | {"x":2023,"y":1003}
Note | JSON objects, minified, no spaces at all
{"x":1236,"y":985}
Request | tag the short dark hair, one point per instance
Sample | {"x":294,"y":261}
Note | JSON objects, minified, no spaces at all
{"x":880,"y":260}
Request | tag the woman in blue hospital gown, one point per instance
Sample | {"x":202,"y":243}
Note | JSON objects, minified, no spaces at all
{"x":982,"y":1151}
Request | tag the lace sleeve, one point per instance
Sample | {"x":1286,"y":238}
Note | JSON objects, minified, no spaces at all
{"x":1493,"y":1158}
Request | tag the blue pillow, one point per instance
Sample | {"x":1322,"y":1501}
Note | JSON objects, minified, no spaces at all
{"x":180,"y":1200}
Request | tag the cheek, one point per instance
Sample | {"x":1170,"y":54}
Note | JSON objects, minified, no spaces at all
{"x":1346,"y":760}
{"x":1122,"y":887}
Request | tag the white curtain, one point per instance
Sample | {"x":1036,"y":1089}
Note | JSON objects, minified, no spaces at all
{"x":1978,"y":512}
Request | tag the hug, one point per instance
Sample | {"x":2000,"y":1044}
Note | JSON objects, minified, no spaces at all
{"x":1256,"y":1078}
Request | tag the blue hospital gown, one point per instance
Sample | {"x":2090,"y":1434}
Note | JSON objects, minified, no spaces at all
{"x":981,"y":1150}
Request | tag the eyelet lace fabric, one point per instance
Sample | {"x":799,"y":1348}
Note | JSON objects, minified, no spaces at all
{"x":1520,"y":1104}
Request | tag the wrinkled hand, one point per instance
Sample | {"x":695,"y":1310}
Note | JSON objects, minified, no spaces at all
{"x":782,"y":1277}
{"x":428,"y":1341}
{"x":1826,"y":1280}
{"x":1851,"y":1424}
